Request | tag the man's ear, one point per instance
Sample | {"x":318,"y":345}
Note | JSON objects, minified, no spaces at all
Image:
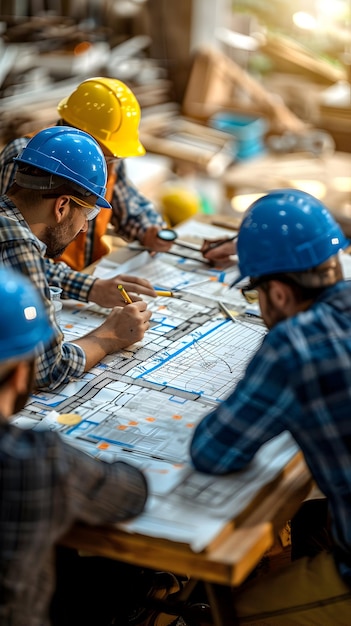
{"x":20,"y":377}
{"x":281,"y":295}
{"x":61,"y":208}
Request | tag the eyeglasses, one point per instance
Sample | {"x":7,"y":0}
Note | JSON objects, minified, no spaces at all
{"x":91,"y":210}
{"x":250,"y":292}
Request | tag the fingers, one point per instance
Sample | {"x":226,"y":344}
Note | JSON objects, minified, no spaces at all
{"x":136,"y":285}
{"x":136,"y":310}
{"x":208,"y":244}
{"x":133,"y":322}
{"x":219,"y":250}
{"x":161,"y":246}
{"x":137,"y":280}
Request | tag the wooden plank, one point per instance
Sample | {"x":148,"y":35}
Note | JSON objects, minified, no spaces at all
{"x":283,"y":48}
{"x":217,"y":83}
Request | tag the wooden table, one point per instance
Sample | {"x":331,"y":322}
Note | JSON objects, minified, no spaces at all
{"x":227,"y":562}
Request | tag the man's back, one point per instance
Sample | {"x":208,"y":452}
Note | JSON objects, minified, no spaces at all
{"x":45,"y":487}
{"x":300,"y":381}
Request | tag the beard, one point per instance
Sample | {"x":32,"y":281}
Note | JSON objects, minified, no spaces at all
{"x":58,"y":238}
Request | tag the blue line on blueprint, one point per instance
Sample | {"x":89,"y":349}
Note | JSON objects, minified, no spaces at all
{"x":184,"y":347}
{"x":123,"y":444}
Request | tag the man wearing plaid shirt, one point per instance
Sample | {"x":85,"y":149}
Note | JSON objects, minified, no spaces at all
{"x":47,"y":486}
{"x":59,"y":187}
{"x":298,"y":381}
{"x":108,"y":110}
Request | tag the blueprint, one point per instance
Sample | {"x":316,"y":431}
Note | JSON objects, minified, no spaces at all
{"x":143,"y":403}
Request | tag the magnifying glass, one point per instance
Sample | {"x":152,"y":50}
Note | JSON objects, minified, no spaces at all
{"x":167,"y":234}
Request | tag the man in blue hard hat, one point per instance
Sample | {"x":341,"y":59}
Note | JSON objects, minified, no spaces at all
{"x":298,"y":381}
{"x":59,"y":187}
{"x":47,"y":485}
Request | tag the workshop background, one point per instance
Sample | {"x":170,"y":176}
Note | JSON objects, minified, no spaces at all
{"x":237,"y":97}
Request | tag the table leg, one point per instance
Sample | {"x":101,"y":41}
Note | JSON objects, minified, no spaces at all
{"x":220,"y":599}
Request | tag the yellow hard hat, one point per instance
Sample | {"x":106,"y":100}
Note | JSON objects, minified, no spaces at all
{"x":179,"y":204}
{"x":109,"y":111}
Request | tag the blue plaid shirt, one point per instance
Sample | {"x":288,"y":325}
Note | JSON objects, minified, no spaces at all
{"x":20,"y":249}
{"x":132,"y":214}
{"x":46,"y":486}
{"x":300,"y":381}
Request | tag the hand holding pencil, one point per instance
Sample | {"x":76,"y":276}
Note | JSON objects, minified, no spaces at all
{"x":105,"y":292}
{"x":126,"y":297}
{"x":219,"y":251}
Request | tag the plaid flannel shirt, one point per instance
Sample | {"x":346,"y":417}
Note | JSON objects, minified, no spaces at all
{"x":20,"y":249}
{"x":46,"y":486}
{"x":299,"y":381}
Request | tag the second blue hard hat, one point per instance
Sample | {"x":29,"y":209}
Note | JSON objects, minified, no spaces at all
{"x":24,"y":323}
{"x":71,"y":154}
{"x":287,"y":230}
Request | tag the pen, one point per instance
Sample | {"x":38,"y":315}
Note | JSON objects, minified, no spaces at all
{"x":185,"y":244}
{"x":182,"y":256}
{"x":124,"y":295}
{"x":226,"y":311}
{"x":215,"y":244}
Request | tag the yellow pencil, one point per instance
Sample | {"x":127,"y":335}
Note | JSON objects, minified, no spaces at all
{"x":124,"y":295}
{"x":167,"y":294}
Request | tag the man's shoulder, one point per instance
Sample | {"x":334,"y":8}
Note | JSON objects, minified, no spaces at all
{"x":11,"y":224}
{"x":26,"y":442}
{"x":11,"y":150}
{"x":9,"y":214}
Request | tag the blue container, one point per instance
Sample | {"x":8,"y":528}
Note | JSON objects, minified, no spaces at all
{"x":249,"y":132}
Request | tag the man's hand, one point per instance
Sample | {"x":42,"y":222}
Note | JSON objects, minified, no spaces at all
{"x":122,"y":328}
{"x":219,"y":251}
{"x":126,"y":325}
{"x":152,"y":241}
{"x":105,"y":292}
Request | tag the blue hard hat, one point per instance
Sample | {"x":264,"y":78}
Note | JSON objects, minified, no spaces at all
{"x":24,"y":322}
{"x":69,"y":153}
{"x":287,"y":230}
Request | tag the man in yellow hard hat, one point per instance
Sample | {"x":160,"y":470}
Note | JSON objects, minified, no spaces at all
{"x":109,"y":111}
